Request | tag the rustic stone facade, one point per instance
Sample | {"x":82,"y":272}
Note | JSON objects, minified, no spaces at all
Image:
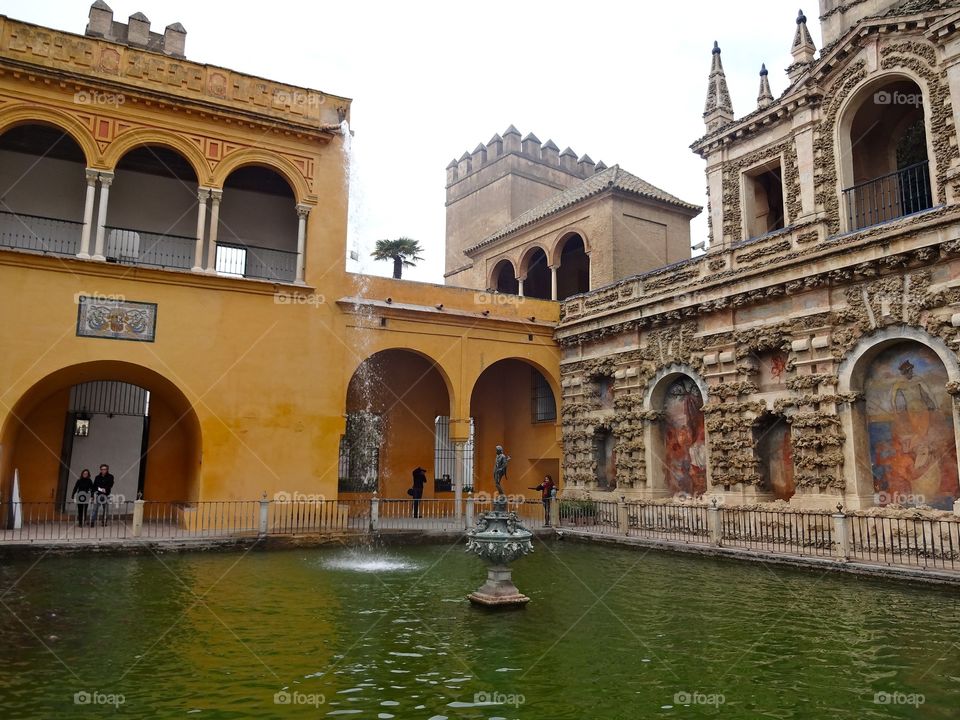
{"x":783,"y":326}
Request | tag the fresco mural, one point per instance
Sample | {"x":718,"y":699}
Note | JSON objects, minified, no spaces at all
{"x":909,"y":418}
{"x":772,"y":443}
{"x":685,"y":457}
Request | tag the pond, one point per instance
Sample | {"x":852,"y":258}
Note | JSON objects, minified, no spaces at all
{"x":387,"y":633}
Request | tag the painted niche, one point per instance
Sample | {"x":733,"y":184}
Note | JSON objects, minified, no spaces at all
{"x":909,"y":417}
{"x":685,"y":451}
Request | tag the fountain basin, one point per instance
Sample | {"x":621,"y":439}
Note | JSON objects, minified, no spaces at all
{"x":499,"y":538}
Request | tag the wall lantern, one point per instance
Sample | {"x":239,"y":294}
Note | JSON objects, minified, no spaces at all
{"x":81,"y":425}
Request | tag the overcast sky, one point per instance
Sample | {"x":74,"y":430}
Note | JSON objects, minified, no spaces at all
{"x":624,"y":82}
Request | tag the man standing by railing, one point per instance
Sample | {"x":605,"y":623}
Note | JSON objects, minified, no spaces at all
{"x":102,"y":486}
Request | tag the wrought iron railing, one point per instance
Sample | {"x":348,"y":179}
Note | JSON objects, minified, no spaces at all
{"x":139,"y":247}
{"x":41,"y":234}
{"x":251,"y":261}
{"x":891,"y":196}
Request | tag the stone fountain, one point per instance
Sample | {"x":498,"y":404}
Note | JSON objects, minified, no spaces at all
{"x":499,"y":538}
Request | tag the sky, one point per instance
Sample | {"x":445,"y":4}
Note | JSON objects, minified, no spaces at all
{"x":624,"y":82}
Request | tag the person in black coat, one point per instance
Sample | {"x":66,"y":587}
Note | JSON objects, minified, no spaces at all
{"x":83,"y":494}
{"x":416,"y":492}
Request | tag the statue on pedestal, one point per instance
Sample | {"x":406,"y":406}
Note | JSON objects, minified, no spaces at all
{"x":500,"y":469}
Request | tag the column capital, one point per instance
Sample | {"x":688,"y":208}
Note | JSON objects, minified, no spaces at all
{"x":203,"y":193}
{"x":303,"y":210}
{"x":105,"y":178}
{"x":91,"y":174}
{"x":216,"y":194}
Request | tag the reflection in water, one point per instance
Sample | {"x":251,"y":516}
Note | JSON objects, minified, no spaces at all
{"x":330,"y":632}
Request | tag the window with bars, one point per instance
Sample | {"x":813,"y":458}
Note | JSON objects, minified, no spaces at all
{"x":359,"y":462}
{"x":445,"y":458}
{"x":543,"y":407}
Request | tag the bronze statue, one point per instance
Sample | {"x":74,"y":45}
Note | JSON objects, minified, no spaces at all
{"x":500,"y":469}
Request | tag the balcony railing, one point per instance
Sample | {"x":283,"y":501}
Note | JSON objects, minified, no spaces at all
{"x":140,"y":247}
{"x":42,"y":234}
{"x":886,"y":198}
{"x":250,"y":261}
{"x":137,"y":247}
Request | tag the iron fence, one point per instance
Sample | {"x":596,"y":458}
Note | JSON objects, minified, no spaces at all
{"x":599,"y":516}
{"x":790,"y":532}
{"x":920,"y":542}
{"x":684,"y":523}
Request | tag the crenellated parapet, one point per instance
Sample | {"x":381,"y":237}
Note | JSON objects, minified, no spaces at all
{"x":529,"y":147}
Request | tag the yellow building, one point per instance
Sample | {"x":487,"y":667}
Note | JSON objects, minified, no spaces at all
{"x":175,"y":303}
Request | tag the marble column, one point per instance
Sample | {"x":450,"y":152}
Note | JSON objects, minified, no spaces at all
{"x":216,"y":195}
{"x":302,"y":212}
{"x":91,"y":176}
{"x":203,"y":194}
{"x":106,"y":178}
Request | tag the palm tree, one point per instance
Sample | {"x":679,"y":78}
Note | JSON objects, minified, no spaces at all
{"x":403,"y":251}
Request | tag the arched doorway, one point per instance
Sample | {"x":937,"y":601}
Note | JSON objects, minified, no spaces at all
{"x":573,"y":273}
{"x":42,"y":189}
{"x":536,"y":274}
{"x":116,"y":413}
{"x":884,"y":160}
{"x":394,"y":400}
{"x":513,"y":404}
{"x":682,"y":437}
{"x":257,"y":227}
{"x":152,"y":209}
{"x":505,"y":278}
{"x":908,"y":418}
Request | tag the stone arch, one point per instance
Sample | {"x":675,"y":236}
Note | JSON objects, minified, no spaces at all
{"x":656,"y":386}
{"x":33,"y":115}
{"x":885,"y":83}
{"x":273,"y":161}
{"x":444,"y":375}
{"x":142,"y":137}
{"x":536,"y":276}
{"x":556,"y":248}
{"x":523,"y":264}
{"x":501,"y":404}
{"x":498,"y":282}
{"x":873,"y":431}
{"x":393,"y":399}
{"x":175,"y":441}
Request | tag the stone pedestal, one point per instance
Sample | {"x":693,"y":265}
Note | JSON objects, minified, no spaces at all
{"x":499,"y":538}
{"x":498,"y":589}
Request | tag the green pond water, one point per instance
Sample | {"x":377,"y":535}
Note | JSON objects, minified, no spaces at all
{"x":387,"y":633}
